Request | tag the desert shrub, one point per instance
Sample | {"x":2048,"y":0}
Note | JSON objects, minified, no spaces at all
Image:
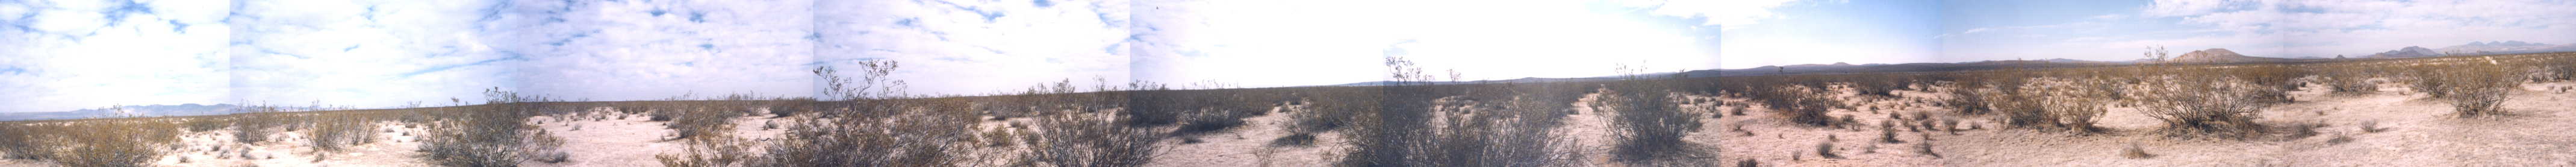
{"x":1402,"y":130}
{"x":332,"y":132}
{"x":2198,"y":103}
{"x":113,"y":142}
{"x":2561,"y":68}
{"x":1294,"y":140}
{"x":785,"y":107}
{"x":206,"y":124}
{"x":2060,"y":104}
{"x":2350,"y":80}
{"x":879,"y":131}
{"x":26,"y":140}
{"x":2272,"y":82}
{"x":915,"y":139}
{"x":1335,"y":109}
{"x":2476,"y":89}
{"x":1826,"y":150}
{"x":1648,"y":125}
{"x":709,"y":152}
{"x":1209,"y":121}
{"x":494,"y":134}
{"x":2135,"y":152}
{"x":1089,"y":140}
{"x":2428,"y":79}
{"x":699,"y":123}
{"x":1153,"y":105}
{"x":255,"y":126}
{"x":1800,"y":103}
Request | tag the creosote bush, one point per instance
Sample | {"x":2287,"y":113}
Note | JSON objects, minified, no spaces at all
{"x":2476,"y":89}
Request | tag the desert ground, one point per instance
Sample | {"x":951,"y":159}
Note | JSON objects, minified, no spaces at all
{"x":1922,"y":121}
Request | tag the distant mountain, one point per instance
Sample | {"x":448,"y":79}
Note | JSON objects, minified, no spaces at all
{"x":2476,"y":48}
{"x":2493,"y":47}
{"x":191,"y":109}
{"x":2220,"y":55}
{"x":2409,"y":51}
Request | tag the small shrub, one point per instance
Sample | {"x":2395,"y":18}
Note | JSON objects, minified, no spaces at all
{"x":1826,"y":150}
{"x":708,"y":152}
{"x":2339,"y":138}
{"x":1925,"y":148}
{"x":1294,"y":140}
{"x":2371,"y":127}
{"x":2134,"y":152}
{"x":1888,"y":135}
{"x":206,"y":124}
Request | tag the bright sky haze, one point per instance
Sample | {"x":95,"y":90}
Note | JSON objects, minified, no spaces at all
{"x":60,"y":55}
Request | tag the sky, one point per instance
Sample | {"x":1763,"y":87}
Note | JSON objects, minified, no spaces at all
{"x":2121,"y":30}
{"x":60,"y":55}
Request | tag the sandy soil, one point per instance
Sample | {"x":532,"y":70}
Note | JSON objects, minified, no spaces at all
{"x":2417,"y":131}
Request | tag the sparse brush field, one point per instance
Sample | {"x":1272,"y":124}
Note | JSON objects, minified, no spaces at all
{"x":2501,"y":110}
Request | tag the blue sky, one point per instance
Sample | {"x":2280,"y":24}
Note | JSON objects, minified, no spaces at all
{"x":58,"y":55}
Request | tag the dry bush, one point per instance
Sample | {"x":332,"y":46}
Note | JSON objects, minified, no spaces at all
{"x":333,"y":131}
{"x":709,"y":152}
{"x":1402,"y":129}
{"x":2062,"y":104}
{"x":2272,"y":82}
{"x":2198,"y":103}
{"x":112,"y":142}
{"x":2351,"y":80}
{"x":1152,"y":105}
{"x":1647,"y":122}
{"x":494,"y":134}
{"x":203,"y":124}
{"x":878,"y":130}
{"x":784,"y":107}
{"x":2135,"y":152}
{"x":1088,"y":140}
{"x":2428,"y":79}
{"x":1826,"y":150}
{"x":2562,"y":68}
{"x":26,"y":140}
{"x":914,"y":139}
{"x":2477,"y":89}
{"x":693,"y":123}
{"x":1801,"y":104}
{"x":1294,"y":140}
{"x":256,"y":124}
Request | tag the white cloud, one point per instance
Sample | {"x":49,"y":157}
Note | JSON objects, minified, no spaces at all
{"x":977,"y":47}
{"x":65,"y":55}
{"x":1739,"y":12}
